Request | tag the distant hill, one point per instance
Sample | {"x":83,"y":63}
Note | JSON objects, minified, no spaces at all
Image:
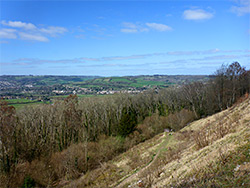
{"x":140,"y":81}
{"x":210,"y":152}
{"x":37,"y":81}
{"x":26,"y":86}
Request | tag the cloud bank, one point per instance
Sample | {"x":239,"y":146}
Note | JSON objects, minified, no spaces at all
{"x":8,"y":33}
{"x":19,"y":24}
{"x":29,"y":31}
{"x":213,"y":54}
{"x":241,"y":8}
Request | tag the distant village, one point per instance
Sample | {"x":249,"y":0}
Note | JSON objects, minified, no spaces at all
{"x":12,"y":91}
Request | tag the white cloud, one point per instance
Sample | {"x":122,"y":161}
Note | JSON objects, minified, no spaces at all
{"x":240,"y":10}
{"x":33,"y":61}
{"x":197,"y":14}
{"x":123,"y":57}
{"x":159,"y":27}
{"x":8,"y":33}
{"x":129,"y":27}
{"x":242,"y":7}
{"x":52,"y":30}
{"x":115,"y":58}
{"x":128,"y":30}
{"x":19,"y":24}
{"x":28,"y":31}
{"x":170,"y":53}
{"x":90,"y":59}
{"x":218,"y":57}
{"x":33,"y":37}
{"x":195,"y":52}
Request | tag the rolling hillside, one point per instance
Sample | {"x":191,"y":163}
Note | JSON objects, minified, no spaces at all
{"x":144,"y":81}
{"x":44,"y":85}
{"x":210,"y":152}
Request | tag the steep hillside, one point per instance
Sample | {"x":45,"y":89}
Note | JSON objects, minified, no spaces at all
{"x":210,"y":152}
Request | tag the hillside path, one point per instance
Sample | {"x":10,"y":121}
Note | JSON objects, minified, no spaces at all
{"x":140,"y":171}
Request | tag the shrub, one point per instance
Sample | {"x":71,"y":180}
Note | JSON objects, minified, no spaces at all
{"x":202,"y":138}
{"x":180,"y":119}
{"x":28,"y":182}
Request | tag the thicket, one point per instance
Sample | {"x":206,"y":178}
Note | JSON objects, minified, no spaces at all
{"x":70,"y":137}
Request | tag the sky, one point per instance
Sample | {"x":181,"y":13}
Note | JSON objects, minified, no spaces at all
{"x":121,"y":38}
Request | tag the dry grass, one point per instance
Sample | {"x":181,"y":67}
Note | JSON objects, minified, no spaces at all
{"x":218,"y":142}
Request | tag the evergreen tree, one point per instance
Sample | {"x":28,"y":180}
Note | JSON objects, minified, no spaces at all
{"x":128,"y":121}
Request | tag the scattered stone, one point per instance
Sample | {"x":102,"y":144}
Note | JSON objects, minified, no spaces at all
{"x":140,"y":183}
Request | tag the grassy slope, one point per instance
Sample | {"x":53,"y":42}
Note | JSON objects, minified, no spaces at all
{"x":44,"y":80}
{"x":211,"y":152}
{"x":122,"y":82}
{"x":138,"y":81}
{"x":21,"y":103}
{"x":25,"y":103}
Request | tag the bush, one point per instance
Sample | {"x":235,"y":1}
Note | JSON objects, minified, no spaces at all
{"x":28,"y":182}
{"x":79,"y":158}
{"x":180,"y":119}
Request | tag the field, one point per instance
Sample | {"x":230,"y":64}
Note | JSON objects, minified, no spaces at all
{"x":21,"y":103}
{"x":138,"y":82}
{"x":117,"y":83}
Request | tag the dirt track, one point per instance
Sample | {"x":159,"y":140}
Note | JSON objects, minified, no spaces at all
{"x":140,"y":171}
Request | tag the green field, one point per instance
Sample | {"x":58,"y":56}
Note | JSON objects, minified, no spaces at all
{"x":120,"y":79}
{"x":140,"y":82}
{"x":64,"y":96}
{"x":122,"y":83}
{"x":21,"y":103}
{"x":18,"y":101}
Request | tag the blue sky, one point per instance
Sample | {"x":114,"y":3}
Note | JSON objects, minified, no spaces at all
{"x":117,"y":38}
